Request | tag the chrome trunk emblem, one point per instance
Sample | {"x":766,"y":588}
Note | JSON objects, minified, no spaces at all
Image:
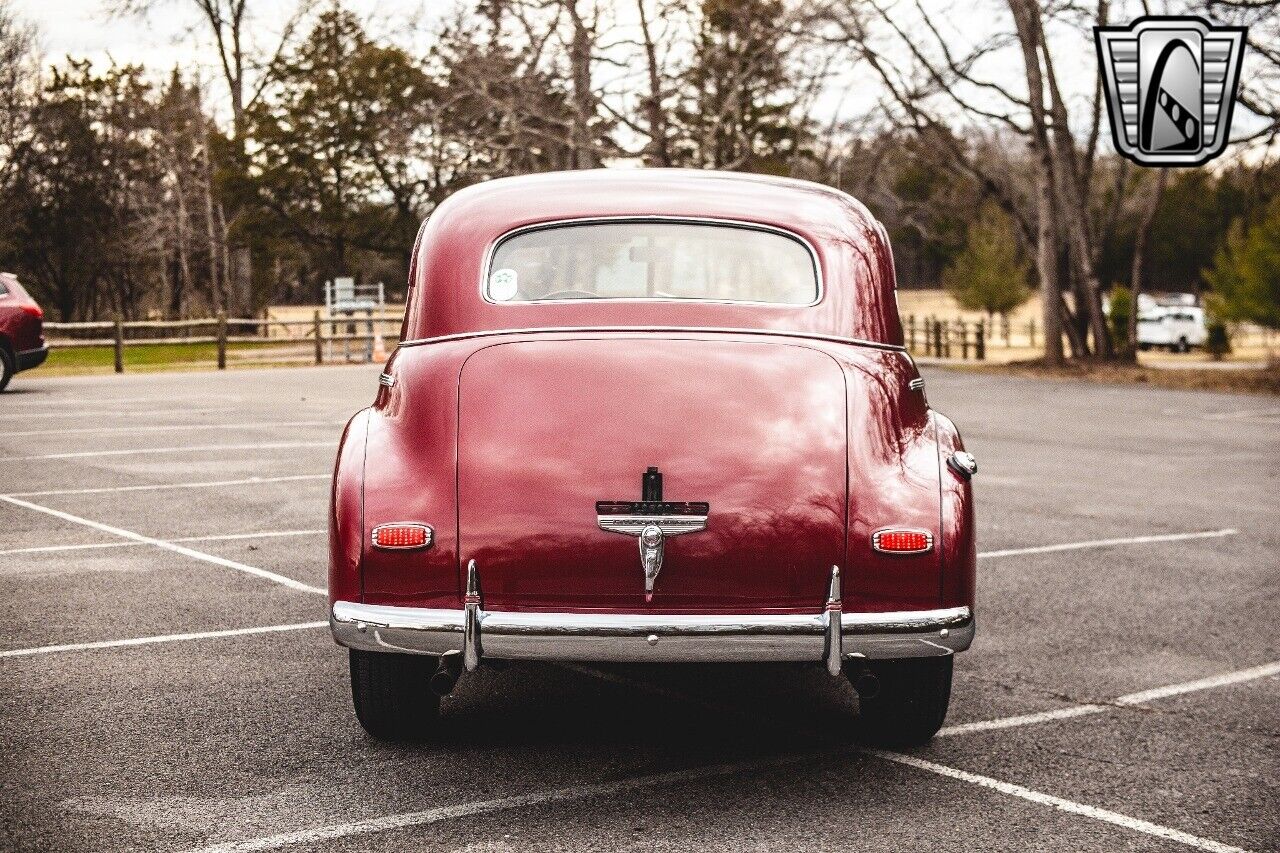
{"x":651,"y":520}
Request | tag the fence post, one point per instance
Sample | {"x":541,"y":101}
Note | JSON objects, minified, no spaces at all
{"x":911,"y":332}
{"x":222,"y":340}
{"x":1031,"y":329}
{"x":119,"y":344}
{"x":1004,"y":327}
{"x":937,"y":337}
{"x":980,"y":348}
{"x":964,"y":339}
{"x":319,"y":341}
{"x":946,"y":339}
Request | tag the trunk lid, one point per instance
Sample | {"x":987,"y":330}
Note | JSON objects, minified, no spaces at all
{"x":550,"y":428}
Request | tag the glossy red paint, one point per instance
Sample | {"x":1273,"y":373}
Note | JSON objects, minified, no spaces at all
{"x":21,"y":325}
{"x":803,"y":440}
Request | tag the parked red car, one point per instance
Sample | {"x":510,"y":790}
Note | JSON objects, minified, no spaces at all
{"x":21,"y":330}
{"x":656,"y":416}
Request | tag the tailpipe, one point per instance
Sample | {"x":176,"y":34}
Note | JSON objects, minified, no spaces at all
{"x":446,"y":675}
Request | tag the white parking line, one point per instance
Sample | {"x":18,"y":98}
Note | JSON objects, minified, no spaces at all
{"x":168,"y":546}
{"x":387,"y":823}
{"x":161,"y":638}
{"x":75,"y":402}
{"x":1227,"y":678}
{"x":170,"y":428}
{"x":442,"y":813}
{"x":204,"y":484}
{"x":1237,"y":677}
{"x":1069,"y":806}
{"x":76,"y":412}
{"x":225,"y":537}
{"x":142,"y":451}
{"x":1108,"y":543}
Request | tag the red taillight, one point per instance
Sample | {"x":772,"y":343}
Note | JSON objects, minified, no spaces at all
{"x":894,"y":541}
{"x":402,"y":534}
{"x":34,"y":310}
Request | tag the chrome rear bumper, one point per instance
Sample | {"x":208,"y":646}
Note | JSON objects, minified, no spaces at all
{"x":651,"y":638}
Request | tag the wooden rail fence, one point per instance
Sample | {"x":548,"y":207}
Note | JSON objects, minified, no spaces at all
{"x":320,"y":331}
{"x":931,"y":336}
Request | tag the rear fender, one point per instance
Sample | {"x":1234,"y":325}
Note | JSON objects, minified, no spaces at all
{"x":958,"y":541}
{"x":346,"y":510}
{"x":410,"y":476}
{"x":893,"y":482}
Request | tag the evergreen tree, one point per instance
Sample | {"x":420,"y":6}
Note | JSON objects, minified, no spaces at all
{"x":1246,"y":272}
{"x":989,"y":274}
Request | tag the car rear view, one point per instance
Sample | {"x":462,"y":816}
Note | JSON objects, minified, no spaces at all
{"x":22,"y":344}
{"x":664,"y":418}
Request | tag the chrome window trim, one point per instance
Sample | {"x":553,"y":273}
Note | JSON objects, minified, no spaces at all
{"x":719,"y":330}
{"x":875,"y":541}
{"x":657,"y":218}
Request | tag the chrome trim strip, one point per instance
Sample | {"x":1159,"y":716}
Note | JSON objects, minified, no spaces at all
{"x":630,"y":636}
{"x":718,"y":330}
{"x":928,"y":541}
{"x":386,"y":380}
{"x":634,"y":525}
{"x":658,"y":218}
{"x":916,"y":384}
{"x":430,"y":538}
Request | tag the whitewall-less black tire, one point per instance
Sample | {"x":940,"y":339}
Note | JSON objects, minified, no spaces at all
{"x":910,"y":704}
{"x":391,"y":695}
{"x":7,"y":366}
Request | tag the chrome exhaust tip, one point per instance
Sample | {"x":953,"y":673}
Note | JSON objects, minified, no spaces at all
{"x":446,"y":676}
{"x":867,"y":685}
{"x":442,"y":682}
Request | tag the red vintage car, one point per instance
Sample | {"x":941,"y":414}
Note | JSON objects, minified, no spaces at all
{"x":655,"y":416}
{"x":21,"y":330}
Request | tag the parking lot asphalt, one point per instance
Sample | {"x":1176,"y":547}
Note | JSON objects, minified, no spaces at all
{"x":166,"y":682}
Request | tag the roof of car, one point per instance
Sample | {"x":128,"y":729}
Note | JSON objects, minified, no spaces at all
{"x":687,"y":192}
{"x":851,"y":246}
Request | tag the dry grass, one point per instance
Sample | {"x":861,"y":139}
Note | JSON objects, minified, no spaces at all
{"x":1241,"y":380}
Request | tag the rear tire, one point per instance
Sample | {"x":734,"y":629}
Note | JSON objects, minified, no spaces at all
{"x":391,"y":695}
{"x":8,"y":366}
{"x":911,"y":703}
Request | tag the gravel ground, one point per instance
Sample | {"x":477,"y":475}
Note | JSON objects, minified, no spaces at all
{"x":246,"y":739}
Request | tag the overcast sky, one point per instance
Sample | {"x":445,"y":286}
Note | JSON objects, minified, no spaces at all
{"x":82,"y":28}
{"x":165,"y":37}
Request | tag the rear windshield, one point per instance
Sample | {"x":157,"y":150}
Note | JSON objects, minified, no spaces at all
{"x":652,"y":260}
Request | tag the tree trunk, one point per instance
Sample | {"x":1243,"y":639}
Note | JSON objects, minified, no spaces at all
{"x":1047,"y":264}
{"x":1140,"y":241}
{"x":584,"y":99}
{"x":658,"y":149}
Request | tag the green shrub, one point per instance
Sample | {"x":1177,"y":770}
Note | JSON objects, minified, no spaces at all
{"x":1121,"y":309}
{"x":1218,"y":343}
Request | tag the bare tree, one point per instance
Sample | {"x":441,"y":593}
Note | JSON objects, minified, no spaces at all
{"x":19,"y":79}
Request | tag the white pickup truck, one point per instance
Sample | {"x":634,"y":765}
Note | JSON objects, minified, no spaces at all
{"x":1179,"y":328}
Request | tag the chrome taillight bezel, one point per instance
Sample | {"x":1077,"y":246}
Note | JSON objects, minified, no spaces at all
{"x":880,"y":549}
